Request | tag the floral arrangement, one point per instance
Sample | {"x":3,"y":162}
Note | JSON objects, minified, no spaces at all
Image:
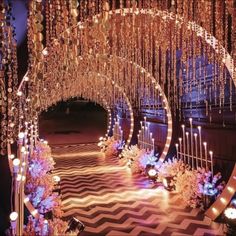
{"x":39,"y":188}
{"x":187,"y":185}
{"x":192,"y":185}
{"x":110,"y":146}
{"x":148,"y":159}
{"x":171,"y":168}
{"x":42,"y":227}
{"x":131,"y":157}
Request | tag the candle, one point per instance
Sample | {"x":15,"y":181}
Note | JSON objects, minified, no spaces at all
{"x":200,"y":143}
{"x":180,"y":148}
{"x":211,"y":156}
{"x":191,"y":140}
{"x":205,"y":149}
{"x":184,"y":144}
{"x":187,"y":141}
{"x":153,"y":145}
{"x":177,"y":150}
{"x":195,"y":137}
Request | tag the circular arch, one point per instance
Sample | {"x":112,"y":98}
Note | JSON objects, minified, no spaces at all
{"x":179,"y":20}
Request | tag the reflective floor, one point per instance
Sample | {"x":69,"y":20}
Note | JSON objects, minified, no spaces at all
{"x":110,"y":201}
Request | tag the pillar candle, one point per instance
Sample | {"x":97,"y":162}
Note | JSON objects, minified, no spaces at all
{"x":184,"y":144}
{"x":205,"y":149}
{"x":196,"y":147}
{"x":180,"y":148}
{"x":187,"y":141}
{"x":200,"y":144}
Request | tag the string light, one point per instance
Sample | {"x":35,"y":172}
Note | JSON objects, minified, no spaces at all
{"x":13,"y":216}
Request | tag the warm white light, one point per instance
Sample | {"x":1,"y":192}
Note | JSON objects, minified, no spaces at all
{"x":13,"y":216}
{"x":21,"y":135}
{"x":23,"y":149}
{"x":18,"y":178}
{"x":16,"y":162}
{"x":45,"y":52}
{"x":12,"y":156}
{"x":26,"y":200}
{"x":34,"y":212}
{"x":12,"y":125}
{"x":45,"y":221}
{"x":56,"y":178}
{"x":214,"y":210}
{"x":230,"y":189}
{"x":223,"y":200}
{"x":152,"y":172}
{"x":165,"y":183}
{"x":19,"y":93}
{"x":230,"y":213}
{"x":26,"y":78}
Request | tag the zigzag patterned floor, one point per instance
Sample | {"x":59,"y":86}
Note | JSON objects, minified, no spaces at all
{"x":110,"y":201}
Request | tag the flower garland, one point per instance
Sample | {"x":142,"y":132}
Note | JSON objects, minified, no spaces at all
{"x":39,"y":188}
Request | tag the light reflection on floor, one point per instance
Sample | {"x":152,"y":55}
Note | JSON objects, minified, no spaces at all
{"x":109,"y":200}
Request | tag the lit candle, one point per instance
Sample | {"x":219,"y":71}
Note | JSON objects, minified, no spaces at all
{"x":191,"y":140}
{"x":195,"y":137}
{"x":177,"y":150}
{"x":180,"y":147}
{"x":200,"y":143}
{"x":187,"y":140}
{"x":205,"y":149}
{"x":211,"y":156}
{"x":184,"y":144}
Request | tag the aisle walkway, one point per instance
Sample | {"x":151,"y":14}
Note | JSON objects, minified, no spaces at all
{"x":109,"y":201}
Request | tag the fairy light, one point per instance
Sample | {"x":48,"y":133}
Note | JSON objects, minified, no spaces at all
{"x":21,"y":135}
{"x":223,"y":200}
{"x":34,"y":212}
{"x":56,"y":178}
{"x":230,"y":189}
{"x":13,"y":216}
{"x":215,"y":211}
{"x":26,"y":200}
{"x":12,"y":156}
{"x":26,"y":78}
{"x":152,"y":173}
{"x":16,"y":162}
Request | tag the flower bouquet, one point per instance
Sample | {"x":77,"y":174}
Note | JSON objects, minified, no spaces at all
{"x":168,"y":171}
{"x":110,"y":146}
{"x":131,"y":156}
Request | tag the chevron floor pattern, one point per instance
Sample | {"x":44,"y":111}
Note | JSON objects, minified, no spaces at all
{"x":110,"y":201}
